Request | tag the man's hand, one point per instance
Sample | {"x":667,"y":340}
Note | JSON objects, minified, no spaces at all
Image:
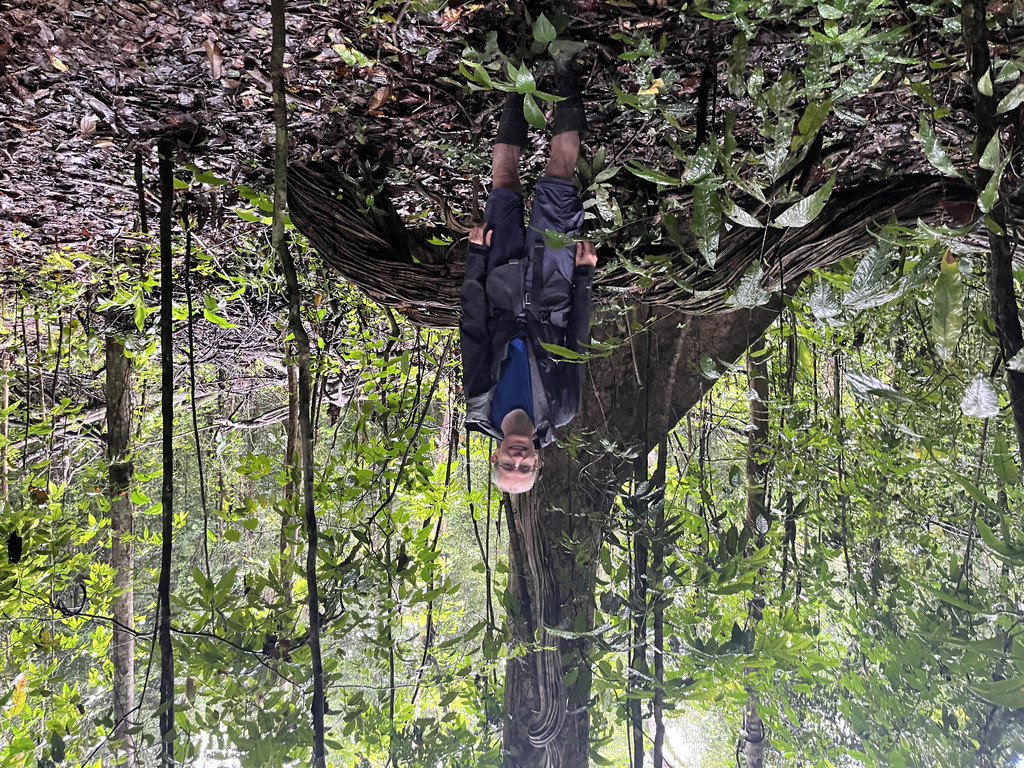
{"x":586,"y":254}
{"x":478,"y":233}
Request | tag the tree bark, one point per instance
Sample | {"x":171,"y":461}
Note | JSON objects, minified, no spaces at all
{"x":999,"y":259}
{"x":555,"y":537}
{"x":167,"y":490}
{"x":658,"y":612}
{"x":279,"y":243}
{"x":119,"y":384}
{"x":757,"y":523}
{"x":639,"y":669}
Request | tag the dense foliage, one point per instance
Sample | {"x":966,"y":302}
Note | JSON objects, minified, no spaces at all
{"x":872,"y":601}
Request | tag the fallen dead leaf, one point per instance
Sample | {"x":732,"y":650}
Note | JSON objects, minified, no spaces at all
{"x":216,"y":58}
{"x":87,"y":125}
{"x":655,"y":88}
{"x":58,"y":64}
{"x":450,"y":18}
{"x":380,"y":97}
{"x":18,"y":89}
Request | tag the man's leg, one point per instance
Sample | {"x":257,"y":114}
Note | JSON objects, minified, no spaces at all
{"x":565,"y":150}
{"x":570,"y":122}
{"x":509,"y":145}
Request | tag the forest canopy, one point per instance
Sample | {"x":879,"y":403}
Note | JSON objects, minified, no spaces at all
{"x":243,"y":522}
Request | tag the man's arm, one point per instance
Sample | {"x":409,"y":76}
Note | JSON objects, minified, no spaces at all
{"x":476,"y":343}
{"x":577,"y":333}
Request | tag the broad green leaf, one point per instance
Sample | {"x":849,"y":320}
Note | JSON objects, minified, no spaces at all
{"x":813,"y":118}
{"x":737,"y":65}
{"x":872,"y":285}
{"x":980,"y":401}
{"x":1003,"y":551}
{"x":864,"y":385}
{"x":534,"y":115}
{"x":216,"y":319}
{"x":1012,"y":100}
{"x":823,"y":301}
{"x":1002,"y":460}
{"x":708,"y":367}
{"x":1002,"y":693}
{"x":707,"y":221}
{"x":933,"y":150}
{"x":750,"y":293}
{"x":701,"y":167}
{"x":522,"y":78}
{"x":947,"y":308}
{"x":990,"y":157}
{"x":803,"y":212}
{"x":946,"y":597}
{"x":740,"y":216}
{"x":973,"y":490}
{"x":649,"y":174}
{"x":562,"y":353}
{"x":543,"y":30}
{"x":985,"y":84}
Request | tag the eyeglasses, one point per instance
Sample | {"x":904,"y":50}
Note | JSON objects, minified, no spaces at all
{"x":522,"y":469}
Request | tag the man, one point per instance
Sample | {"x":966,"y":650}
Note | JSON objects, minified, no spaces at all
{"x":519,"y":293}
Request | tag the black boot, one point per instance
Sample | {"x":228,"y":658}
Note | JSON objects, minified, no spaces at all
{"x":512,"y":127}
{"x":570,"y":114}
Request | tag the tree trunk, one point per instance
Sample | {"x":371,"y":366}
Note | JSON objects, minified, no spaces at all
{"x":999,"y":260}
{"x":119,"y":382}
{"x":5,"y":425}
{"x":167,"y":490}
{"x":639,"y":670}
{"x":279,"y":244}
{"x":554,"y":538}
{"x":757,"y":523}
{"x":287,"y":551}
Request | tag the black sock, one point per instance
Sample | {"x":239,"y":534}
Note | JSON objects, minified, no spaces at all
{"x":570,"y":114}
{"x":512,"y":127}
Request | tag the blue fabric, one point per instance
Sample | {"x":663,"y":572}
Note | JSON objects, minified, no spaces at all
{"x":513,"y":389}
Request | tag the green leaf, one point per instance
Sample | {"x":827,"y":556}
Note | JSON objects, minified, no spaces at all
{"x":533,"y":113}
{"x":522,"y":78}
{"x":947,"y":308}
{"x":707,"y":221}
{"x":973,"y":491}
{"x":140,"y":314}
{"x":990,"y":157}
{"x":232,"y":535}
{"x":933,"y":150}
{"x":946,"y":597}
{"x":980,"y":401}
{"x":985,"y":84}
{"x":649,"y":174}
{"x":216,"y":319}
{"x":872,"y":285}
{"x":1006,"y":553}
{"x":563,"y":353}
{"x":813,"y":118}
{"x":864,"y":386}
{"x":738,"y":215}
{"x":1002,"y":693}
{"x":750,"y":293}
{"x":823,"y":301}
{"x":1012,"y":100}
{"x":803,"y":212}
{"x":739,"y":52}
{"x":1002,"y":460}
{"x":543,"y":30}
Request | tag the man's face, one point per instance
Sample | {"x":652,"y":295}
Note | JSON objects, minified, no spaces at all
{"x":516,"y":464}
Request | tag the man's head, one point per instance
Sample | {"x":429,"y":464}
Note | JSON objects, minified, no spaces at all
{"x":516,"y":460}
